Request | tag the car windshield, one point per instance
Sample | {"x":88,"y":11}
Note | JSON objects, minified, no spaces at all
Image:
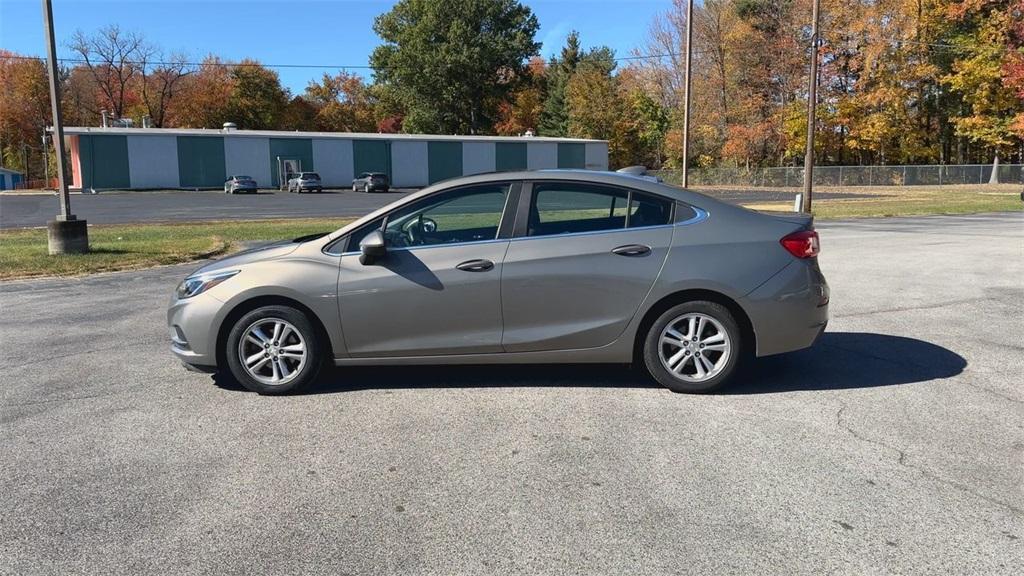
{"x":243,"y":177}
{"x":310,"y":176}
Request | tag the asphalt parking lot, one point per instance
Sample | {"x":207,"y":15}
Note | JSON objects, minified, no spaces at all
{"x":894,"y":446}
{"x":31,"y":210}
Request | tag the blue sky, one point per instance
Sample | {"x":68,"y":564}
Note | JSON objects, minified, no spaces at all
{"x":341,"y":30}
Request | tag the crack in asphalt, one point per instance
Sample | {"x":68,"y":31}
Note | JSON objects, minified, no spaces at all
{"x":912,"y":308}
{"x":902,"y":461}
{"x":81,"y":352}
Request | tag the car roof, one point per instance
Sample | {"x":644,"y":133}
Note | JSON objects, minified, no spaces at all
{"x":573,"y":175}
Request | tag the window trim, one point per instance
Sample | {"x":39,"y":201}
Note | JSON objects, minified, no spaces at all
{"x":504,"y":232}
{"x":526,"y":199}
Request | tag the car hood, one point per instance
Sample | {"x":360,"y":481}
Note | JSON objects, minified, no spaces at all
{"x":255,"y":254}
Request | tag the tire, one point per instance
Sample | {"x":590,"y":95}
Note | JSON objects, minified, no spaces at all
{"x":300,"y":332}
{"x":717,"y":318}
{"x":366,"y":188}
{"x":354,"y":188}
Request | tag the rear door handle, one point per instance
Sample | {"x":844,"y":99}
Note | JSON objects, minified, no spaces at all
{"x":476,"y":265}
{"x":632,"y":250}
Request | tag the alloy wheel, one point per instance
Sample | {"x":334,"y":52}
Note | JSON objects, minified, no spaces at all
{"x":694,"y":347}
{"x":272,"y":351}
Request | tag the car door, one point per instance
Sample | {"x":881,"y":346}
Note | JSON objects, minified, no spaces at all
{"x":583,"y":259}
{"x":437,"y":291}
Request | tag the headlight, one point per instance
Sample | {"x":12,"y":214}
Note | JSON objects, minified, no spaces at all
{"x":200,"y":283}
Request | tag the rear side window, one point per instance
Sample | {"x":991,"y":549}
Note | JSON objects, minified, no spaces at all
{"x":647,"y":210}
{"x":566,"y":208}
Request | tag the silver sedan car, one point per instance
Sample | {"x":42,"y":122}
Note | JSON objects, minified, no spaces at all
{"x":521,"y":267}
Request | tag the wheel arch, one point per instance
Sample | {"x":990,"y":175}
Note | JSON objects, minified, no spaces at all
{"x":691,"y":295}
{"x":246,"y":306}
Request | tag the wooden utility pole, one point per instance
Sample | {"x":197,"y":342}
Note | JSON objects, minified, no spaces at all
{"x":686,"y":94}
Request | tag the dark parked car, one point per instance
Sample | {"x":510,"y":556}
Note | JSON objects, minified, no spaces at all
{"x":371,"y":182}
{"x":537,"y":267}
{"x":240,"y":184}
{"x":305,"y":182}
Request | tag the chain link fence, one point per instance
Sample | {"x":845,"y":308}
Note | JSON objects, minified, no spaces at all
{"x":841,"y":176}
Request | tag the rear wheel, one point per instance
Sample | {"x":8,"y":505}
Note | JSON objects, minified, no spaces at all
{"x":693,"y":347}
{"x":274,"y":350}
{"x":366,"y":187}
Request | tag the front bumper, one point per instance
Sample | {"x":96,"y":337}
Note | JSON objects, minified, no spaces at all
{"x":789,"y":311}
{"x":191,"y":326}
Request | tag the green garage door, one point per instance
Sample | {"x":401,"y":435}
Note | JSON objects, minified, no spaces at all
{"x":104,"y":161}
{"x":444,"y":160}
{"x":300,"y":149}
{"x":509,"y":156}
{"x":201,"y":162}
{"x":371,"y":156}
{"x":572,"y":155}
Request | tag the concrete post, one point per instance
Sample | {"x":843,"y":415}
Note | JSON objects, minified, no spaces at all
{"x":812,"y":104}
{"x":66,"y":234}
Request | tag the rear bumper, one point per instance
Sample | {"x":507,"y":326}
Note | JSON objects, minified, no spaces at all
{"x":789,"y":311}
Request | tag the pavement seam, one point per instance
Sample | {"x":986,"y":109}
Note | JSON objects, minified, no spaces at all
{"x":902,"y":461}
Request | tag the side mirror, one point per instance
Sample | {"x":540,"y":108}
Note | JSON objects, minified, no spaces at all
{"x":372,"y":248}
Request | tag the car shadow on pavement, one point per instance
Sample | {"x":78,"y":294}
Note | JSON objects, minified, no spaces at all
{"x":839,"y":360}
{"x":844,"y":360}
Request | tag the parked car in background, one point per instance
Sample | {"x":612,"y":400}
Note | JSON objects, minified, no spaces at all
{"x":305,"y":182}
{"x":519,"y":267}
{"x":371,"y":182}
{"x":240,"y":184}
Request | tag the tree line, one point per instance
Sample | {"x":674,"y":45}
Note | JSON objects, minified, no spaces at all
{"x":900,"y":81}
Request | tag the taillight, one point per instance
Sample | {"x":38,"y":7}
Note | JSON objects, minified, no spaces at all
{"x":802,"y":244}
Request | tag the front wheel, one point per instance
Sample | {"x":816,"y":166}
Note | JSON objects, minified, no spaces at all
{"x":693,"y":347}
{"x":274,"y":350}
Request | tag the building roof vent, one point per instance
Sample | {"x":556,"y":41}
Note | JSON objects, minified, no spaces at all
{"x":229,"y":126}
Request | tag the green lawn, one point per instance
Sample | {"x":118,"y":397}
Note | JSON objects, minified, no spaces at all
{"x":120,"y":247}
{"x":912,"y":201}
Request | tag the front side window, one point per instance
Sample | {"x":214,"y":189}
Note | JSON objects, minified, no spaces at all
{"x":463,"y":215}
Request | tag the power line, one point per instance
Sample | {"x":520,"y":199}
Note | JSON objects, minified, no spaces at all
{"x":172,"y":63}
{"x":635,"y":57}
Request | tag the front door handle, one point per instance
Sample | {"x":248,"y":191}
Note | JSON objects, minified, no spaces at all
{"x":476,"y":265}
{"x":632,"y":250}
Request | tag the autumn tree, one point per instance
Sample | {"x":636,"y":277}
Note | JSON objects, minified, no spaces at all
{"x":257,"y":100}
{"x":451,"y":63}
{"x":522,"y":111}
{"x":203,"y":101}
{"x":990,"y":108}
{"x":111,"y":57}
{"x":160,"y":82}
{"x":24,"y":111}
{"x":343,"y":103}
